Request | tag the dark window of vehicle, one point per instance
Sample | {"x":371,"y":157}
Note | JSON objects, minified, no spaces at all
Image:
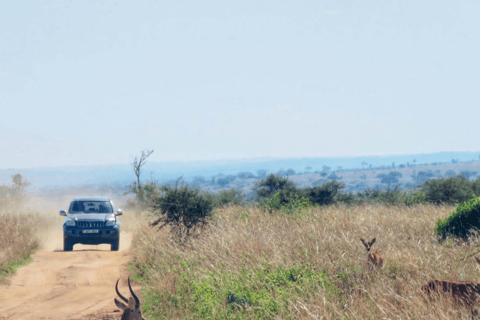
{"x":91,"y":207}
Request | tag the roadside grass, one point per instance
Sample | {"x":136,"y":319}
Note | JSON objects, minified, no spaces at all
{"x":307,"y":264}
{"x":19,"y":229}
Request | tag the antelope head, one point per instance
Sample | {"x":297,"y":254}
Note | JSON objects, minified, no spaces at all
{"x":375,"y":256}
{"x":368,"y":245}
{"x":132,"y":310}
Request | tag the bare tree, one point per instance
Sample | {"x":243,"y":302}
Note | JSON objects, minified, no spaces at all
{"x":137,"y":164}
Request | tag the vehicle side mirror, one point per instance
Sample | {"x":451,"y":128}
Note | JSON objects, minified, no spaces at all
{"x":63,"y":213}
{"x":119,"y":212}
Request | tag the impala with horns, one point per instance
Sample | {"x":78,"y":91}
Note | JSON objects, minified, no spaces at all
{"x":132,"y":310}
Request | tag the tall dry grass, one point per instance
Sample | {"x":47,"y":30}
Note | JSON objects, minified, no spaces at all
{"x":19,"y":235}
{"x":228,"y":271}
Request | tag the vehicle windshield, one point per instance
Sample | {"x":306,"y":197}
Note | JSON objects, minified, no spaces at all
{"x":91,"y":207}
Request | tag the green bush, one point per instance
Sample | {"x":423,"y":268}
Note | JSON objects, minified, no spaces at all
{"x":347,"y":198}
{"x":230,"y":196}
{"x":324,"y":194}
{"x":286,"y":203}
{"x":377,"y":196}
{"x":186,"y":210}
{"x":462,"y":221}
{"x":272,"y":184}
{"x":476,"y":186}
{"x":451,"y":190}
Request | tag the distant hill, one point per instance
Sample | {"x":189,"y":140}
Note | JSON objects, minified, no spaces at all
{"x":348,"y":168}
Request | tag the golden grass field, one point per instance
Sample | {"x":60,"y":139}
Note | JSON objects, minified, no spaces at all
{"x":20,"y":233}
{"x":227,"y":271}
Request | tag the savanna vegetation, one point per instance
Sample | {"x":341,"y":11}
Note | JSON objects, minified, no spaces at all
{"x":296,"y":253}
{"x":18,"y":227}
{"x":287,"y":252}
{"x":306,"y":264}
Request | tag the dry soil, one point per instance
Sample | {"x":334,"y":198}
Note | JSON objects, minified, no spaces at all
{"x":67,"y":285}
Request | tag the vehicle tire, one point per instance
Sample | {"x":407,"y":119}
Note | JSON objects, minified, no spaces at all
{"x":115,"y":244}
{"x":67,"y":245}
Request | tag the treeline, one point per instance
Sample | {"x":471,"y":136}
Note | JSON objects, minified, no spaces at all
{"x":276,"y":192}
{"x":451,"y":190}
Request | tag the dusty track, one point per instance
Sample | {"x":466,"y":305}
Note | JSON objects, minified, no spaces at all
{"x":67,"y":285}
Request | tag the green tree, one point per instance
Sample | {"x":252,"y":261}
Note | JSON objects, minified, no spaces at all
{"x":273,"y":184}
{"x":187,"y":211}
{"x":451,"y":190}
{"x":323,"y":194}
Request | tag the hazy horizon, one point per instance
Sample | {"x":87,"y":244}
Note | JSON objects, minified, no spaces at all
{"x":252,"y":160}
{"x":165,"y":171}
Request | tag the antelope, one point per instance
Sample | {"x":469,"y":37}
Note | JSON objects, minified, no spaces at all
{"x":132,"y":311}
{"x":375,"y":256}
{"x":463,"y":292}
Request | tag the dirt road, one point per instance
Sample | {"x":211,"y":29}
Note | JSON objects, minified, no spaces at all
{"x":67,"y":285}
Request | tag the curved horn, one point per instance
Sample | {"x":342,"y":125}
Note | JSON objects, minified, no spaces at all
{"x":119,"y":294}
{"x":137,"y":301}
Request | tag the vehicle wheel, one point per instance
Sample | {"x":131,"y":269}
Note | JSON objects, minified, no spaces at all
{"x":115,"y":244}
{"x":67,"y":245}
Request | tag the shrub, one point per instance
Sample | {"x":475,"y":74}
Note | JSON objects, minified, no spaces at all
{"x":272,"y":184}
{"x":226,"y":180}
{"x":184,"y":209}
{"x":389,"y":196}
{"x":451,"y":190}
{"x":462,"y":221}
{"x":333,"y":176}
{"x":423,"y":176}
{"x":391,"y":179}
{"x":476,"y":186}
{"x":230,"y":196}
{"x":469,"y":174}
{"x":323,"y":194}
{"x":347,"y":198}
{"x":287,"y":203}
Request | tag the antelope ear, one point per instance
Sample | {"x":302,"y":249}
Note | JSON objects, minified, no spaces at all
{"x":363,"y":241}
{"x":131,"y":303}
{"x":120,"y":304}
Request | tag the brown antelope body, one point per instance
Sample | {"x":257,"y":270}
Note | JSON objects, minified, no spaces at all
{"x":132,"y":310}
{"x":375,"y":256}
{"x":463,"y":292}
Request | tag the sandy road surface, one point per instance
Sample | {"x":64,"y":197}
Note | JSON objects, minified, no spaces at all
{"x":67,"y":285}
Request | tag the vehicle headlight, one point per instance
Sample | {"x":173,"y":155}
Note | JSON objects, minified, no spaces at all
{"x":110,"y":222}
{"x":70,"y":222}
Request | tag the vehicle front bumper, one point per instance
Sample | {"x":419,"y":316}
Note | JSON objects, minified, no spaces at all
{"x":83,"y":236}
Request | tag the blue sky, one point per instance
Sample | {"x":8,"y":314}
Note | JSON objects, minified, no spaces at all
{"x":94,"y":82}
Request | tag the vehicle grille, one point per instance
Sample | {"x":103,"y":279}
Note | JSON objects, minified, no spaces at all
{"x":90,"y":224}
